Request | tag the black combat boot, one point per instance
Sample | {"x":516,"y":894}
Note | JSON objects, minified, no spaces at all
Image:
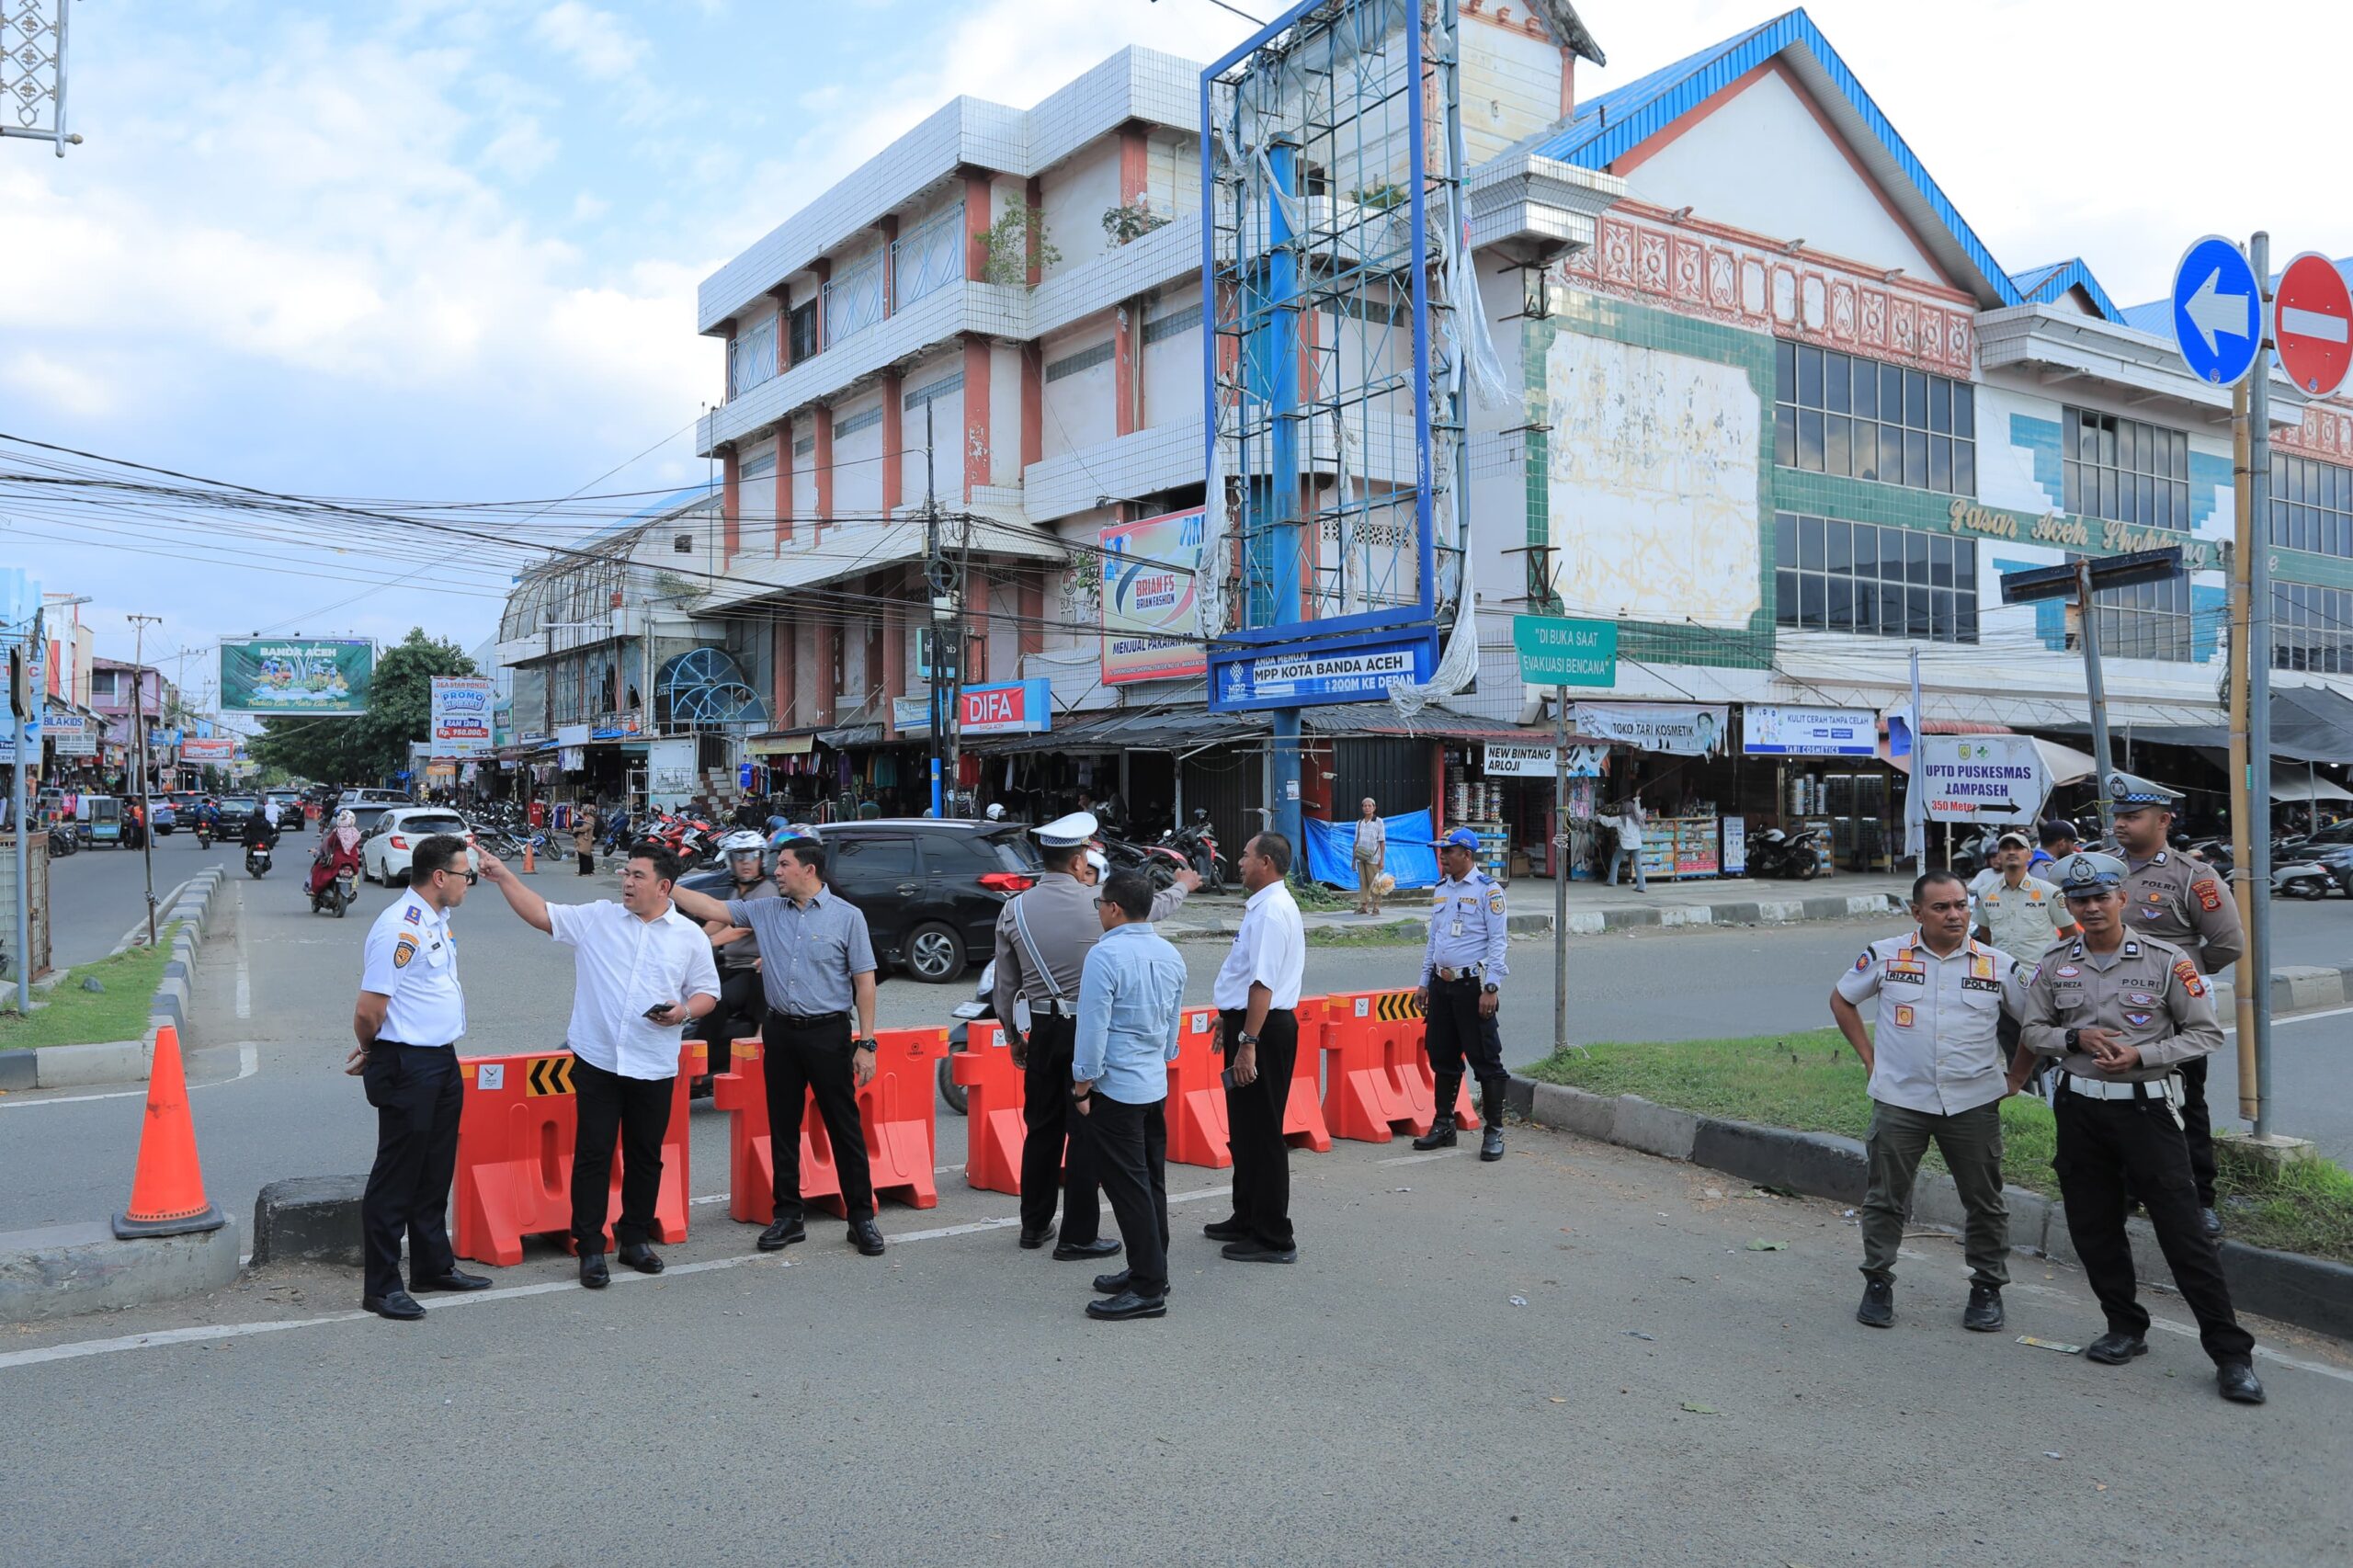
{"x":1490,"y":1106}
{"x":1441,"y":1133}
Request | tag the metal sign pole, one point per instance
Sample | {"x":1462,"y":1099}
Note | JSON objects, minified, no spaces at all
{"x":2241,"y":861}
{"x":1559,"y":868}
{"x":2097,"y":691}
{"x":2255,"y":965}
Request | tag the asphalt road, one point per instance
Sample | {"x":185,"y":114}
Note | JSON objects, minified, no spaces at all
{"x":98,"y":894}
{"x":274,"y":1007}
{"x":1572,"y":1357}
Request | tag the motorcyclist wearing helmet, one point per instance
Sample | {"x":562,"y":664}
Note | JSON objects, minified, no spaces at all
{"x":259,"y":831}
{"x":737,"y":954}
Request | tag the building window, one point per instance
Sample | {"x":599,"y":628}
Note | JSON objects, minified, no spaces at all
{"x":102,"y":684}
{"x":1159,"y":329}
{"x":803,"y":328}
{"x":2312,"y":628}
{"x":1837,"y":414}
{"x":2311,"y":505}
{"x":929,"y":258}
{"x":751,"y":359}
{"x":950,"y":382}
{"x":2124,"y":471}
{"x":866,"y":419}
{"x":1873,"y":580}
{"x":2145,"y":621}
{"x":854,"y":299}
{"x":1085,"y":359}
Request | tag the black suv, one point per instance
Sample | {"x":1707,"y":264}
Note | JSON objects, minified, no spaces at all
{"x":931,"y":889}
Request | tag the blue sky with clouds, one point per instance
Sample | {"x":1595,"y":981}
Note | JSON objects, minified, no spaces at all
{"x":446,"y":249}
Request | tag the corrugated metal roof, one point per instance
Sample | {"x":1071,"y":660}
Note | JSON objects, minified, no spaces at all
{"x":1437,"y":721}
{"x":2052,"y":279}
{"x":1606,"y":127}
{"x":2157,"y":316}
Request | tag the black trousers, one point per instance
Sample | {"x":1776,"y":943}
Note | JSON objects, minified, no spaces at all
{"x":587,"y":862}
{"x":418,"y":1094}
{"x":814,"y":1060}
{"x":2103,"y":1146}
{"x":1047,"y":1169}
{"x":2198,"y":1127}
{"x":1456,"y":1033}
{"x":742,"y":1010}
{"x":1253,"y":1115}
{"x":639,"y":1110}
{"x":1131,"y":1145}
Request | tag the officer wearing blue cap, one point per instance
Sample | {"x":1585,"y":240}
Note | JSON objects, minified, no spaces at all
{"x":2122,"y":1011}
{"x":1462,"y":991}
{"x":2178,"y":898}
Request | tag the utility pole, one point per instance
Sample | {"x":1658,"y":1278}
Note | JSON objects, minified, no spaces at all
{"x":21,"y":698}
{"x":2095,"y":689}
{"x":2242,"y":887}
{"x":934,"y":587}
{"x":1559,"y":868}
{"x":138,"y":736}
{"x":2255,"y":965}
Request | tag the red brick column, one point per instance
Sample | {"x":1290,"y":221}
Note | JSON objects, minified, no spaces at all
{"x":731,"y":506}
{"x":893,"y":440}
{"x":784,"y":482}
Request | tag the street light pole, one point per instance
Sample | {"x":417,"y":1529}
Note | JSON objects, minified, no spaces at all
{"x":139,"y":734}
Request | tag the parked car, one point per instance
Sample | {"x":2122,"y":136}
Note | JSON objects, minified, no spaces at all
{"x":162,"y":816}
{"x":931,"y":889}
{"x":384,"y":852}
{"x":286,"y":809}
{"x":362,"y":796}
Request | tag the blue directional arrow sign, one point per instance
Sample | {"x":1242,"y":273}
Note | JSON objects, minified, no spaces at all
{"x":2217,"y":312}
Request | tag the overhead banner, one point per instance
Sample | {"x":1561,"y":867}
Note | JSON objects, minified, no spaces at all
{"x":1516,"y":759}
{"x":1767,"y":730}
{"x":462,"y":716}
{"x":1981,"y":777}
{"x":1342,"y":672}
{"x":1696,"y":730}
{"x":1150,"y":569}
{"x":317,"y":675}
{"x":217,"y":748}
{"x":1007,"y":708}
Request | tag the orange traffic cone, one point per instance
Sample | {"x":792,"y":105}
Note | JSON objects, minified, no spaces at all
{"x":530,"y":868}
{"x":167,"y":1189}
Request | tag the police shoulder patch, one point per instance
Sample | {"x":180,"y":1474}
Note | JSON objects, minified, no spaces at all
{"x":1864,"y":962}
{"x":1496,"y":900}
{"x":2192,"y":981}
{"x":403,"y":951}
{"x":414,"y":915}
{"x":2209,"y":895}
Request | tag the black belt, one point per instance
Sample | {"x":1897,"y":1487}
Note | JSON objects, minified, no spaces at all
{"x":808,"y":1020}
{"x":406,"y":1045}
{"x":1054,"y":1009}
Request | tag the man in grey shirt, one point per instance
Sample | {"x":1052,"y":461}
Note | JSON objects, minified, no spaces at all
{"x":816,"y":964}
{"x":1372,"y":851}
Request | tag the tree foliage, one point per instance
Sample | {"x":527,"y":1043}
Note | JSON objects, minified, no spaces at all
{"x":374,"y":747}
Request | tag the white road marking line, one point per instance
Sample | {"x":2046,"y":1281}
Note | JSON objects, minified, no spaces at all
{"x":2190,"y":1331}
{"x":210,"y":1332}
{"x":248,"y":1063}
{"x":1417,"y":1159}
{"x":2283,"y":1021}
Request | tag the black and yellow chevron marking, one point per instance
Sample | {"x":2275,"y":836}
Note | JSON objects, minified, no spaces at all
{"x":1393,"y":1006}
{"x":548,"y":1075}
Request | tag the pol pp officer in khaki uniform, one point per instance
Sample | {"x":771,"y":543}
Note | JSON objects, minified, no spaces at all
{"x":2122,"y":1010}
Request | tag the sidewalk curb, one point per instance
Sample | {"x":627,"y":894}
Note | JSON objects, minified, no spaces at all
{"x":2310,"y":1292}
{"x":127,"y":1060}
{"x":61,"y":1271}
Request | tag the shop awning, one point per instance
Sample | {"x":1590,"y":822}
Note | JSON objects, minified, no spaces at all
{"x":1436,"y":720}
{"x":2065,"y":765}
{"x":852,"y":735}
{"x":2298,"y":787}
{"x":1130,"y":728}
{"x":794,"y":743}
{"x":2308,"y":723}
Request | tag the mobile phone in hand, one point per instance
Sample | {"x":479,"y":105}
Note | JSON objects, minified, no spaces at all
{"x":1226,"y":1078}
{"x":655,"y":1012}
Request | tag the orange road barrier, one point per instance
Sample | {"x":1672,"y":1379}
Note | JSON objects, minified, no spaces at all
{"x":168,"y":1184}
{"x":896,"y":1110}
{"x":1379,"y":1083}
{"x":1197,"y":1132}
{"x":994,"y":1129}
{"x":517,"y":1135}
{"x":1303,"y":1125}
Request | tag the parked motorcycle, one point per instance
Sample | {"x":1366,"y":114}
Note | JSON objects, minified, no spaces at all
{"x":2292,"y":877}
{"x":1158,"y":862}
{"x":64,"y":839}
{"x":258,"y":861}
{"x":341,"y":892}
{"x":1777,"y":854}
{"x":1197,"y":843}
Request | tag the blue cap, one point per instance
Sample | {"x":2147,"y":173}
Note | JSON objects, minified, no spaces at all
{"x":1460,"y":838}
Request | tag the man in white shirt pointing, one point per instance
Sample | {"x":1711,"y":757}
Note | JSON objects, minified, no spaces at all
{"x":1256,"y":996}
{"x":643,"y":971}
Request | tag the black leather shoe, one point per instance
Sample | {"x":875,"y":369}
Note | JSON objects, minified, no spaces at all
{"x":593,"y":1272}
{"x":2237,"y":1381}
{"x":1075,"y":1252}
{"x":782,"y":1234}
{"x":1491,"y":1142}
{"x":2212,"y":1223}
{"x":2113,"y":1349}
{"x":1983,"y":1313}
{"x":1252,"y":1252}
{"x":1226,"y":1231}
{"x":1111,"y":1284}
{"x":1440,"y":1136}
{"x":453,"y":1280}
{"x":400,"y":1306}
{"x":643,"y":1258}
{"x":1128,"y":1304}
{"x":1033,"y":1240}
{"x":1878,"y":1309}
{"x":867,"y":1236}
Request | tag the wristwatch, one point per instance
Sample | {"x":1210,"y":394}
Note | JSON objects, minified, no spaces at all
{"x":2074,"y":1040}
{"x":1245,"y":1037}
{"x":1491,"y":988}
{"x":866,"y":1043}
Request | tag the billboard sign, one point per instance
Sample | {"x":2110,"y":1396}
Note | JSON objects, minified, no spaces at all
{"x":1151,"y":578}
{"x":1522,"y":759}
{"x":1981,"y":777}
{"x":1352,"y":670}
{"x":1008,"y":708}
{"x":1768,"y":731}
{"x":462,"y":716}
{"x":214,"y":749}
{"x":315,"y":675}
{"x":1668,"y":727}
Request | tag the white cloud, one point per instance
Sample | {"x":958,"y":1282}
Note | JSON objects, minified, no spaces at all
{"x":520,"y":151}
{"x":61,"y":386}
{"x":596,"y":41}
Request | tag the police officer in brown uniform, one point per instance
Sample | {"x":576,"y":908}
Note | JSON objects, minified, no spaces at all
{"x":2122,"y":1010}
{"x":2178,"y":898}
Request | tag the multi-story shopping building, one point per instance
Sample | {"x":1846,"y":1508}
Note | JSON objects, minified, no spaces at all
{"x":1782,"y":417}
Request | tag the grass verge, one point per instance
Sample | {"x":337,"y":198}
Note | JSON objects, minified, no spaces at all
{"x":1811,"y":1082}
{"x":75,"y":1017}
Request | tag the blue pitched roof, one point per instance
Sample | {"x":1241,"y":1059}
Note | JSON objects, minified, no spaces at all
{"x":2040,"y":285}
{"x":2157,"y":316}
{"x":1605,"y":128}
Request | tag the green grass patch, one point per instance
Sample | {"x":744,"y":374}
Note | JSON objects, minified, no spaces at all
{"x":1811,"y":1081}
{"x":1396,"y":936}
{"x":75,"y":1017}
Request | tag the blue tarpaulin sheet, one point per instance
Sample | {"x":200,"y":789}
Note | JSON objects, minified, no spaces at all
{"x":1411,"y":859}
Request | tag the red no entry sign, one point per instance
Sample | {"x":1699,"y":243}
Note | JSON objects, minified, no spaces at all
{"x":2313,"y":323}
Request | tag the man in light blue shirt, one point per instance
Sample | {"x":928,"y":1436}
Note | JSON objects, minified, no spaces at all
{"x":1130,"y":1010}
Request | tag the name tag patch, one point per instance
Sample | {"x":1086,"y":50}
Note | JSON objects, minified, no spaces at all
{"x":1973,"y":983}
{"x":1910,"y":973}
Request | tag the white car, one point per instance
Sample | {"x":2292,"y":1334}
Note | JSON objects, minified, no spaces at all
{"x":384,"y":853}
